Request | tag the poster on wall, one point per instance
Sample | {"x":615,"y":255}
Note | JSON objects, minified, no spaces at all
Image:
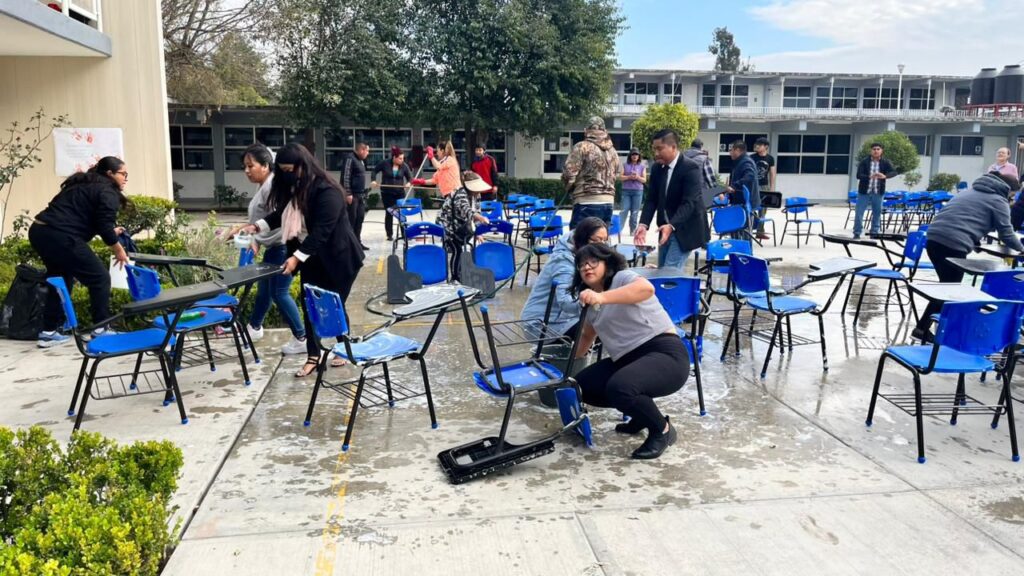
{"x":78,"y":149}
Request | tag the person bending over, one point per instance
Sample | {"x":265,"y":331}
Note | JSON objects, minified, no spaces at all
{"x":647,"y":358}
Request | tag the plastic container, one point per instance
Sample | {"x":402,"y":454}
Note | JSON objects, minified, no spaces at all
{"x":983,"y":87}
{"x":1010,"y":85}
{"x":243,"y":240}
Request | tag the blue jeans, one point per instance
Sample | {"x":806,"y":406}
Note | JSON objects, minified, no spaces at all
{"x":632,"y":203}
{"x":276,"y":289}
{"x":581,"y":211}
{"x":876,"y":213}
{"x":670,"y":255}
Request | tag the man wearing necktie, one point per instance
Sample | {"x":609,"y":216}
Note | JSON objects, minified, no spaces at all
{"x":676,"y":199}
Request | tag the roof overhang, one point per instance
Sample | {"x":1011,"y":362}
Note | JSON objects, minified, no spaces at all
{"x":34,"y":29}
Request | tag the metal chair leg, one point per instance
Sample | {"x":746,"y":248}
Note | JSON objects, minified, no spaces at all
{"x":209,"y":351}
{"x":696,"y":375}
{"x":85,"y":395}
{"x":957,"y":398}
{"x":919,"y":416}
{"x":241,"y":356}
{"x":874,"y":391}
{"x":78,"y":386}
{"x":824,"y":352}
{"x":430,"y":397}
{"x":321,"y":367}
{"x":135,"y":373}
{"x":352,"y":415}
{"x":771,"y":345}
{"x":387,"y":385}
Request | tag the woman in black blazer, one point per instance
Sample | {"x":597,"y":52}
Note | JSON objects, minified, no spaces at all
{"x":309,"y":207}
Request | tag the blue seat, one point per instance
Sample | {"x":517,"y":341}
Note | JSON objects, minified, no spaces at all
{"x":680,"y":297}
{"x":615,"y":228}
{"x":798,"y":214}
{"x":328,"y":319}
{"x":749,"y":275}
{"x":409,"y":207}
{"x":498,"y":258}
{"x":430,"y":261}
{"x":224,"y":300}
{"x":522,"y":376}
{"x":544,"y":227}
{"x":492,"y":210}
{"x":1004,"y":284}
{"x":851,"y":207}
{"x":500,"y":228}
{"x":715,"y":254}
{"x":210,"y":317}
{"x":968,"y":336}
{"x":910,"y":259}
{"x":105,"y":346}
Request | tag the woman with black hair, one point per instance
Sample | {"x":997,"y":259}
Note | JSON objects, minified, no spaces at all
{"x":648,"y":359}
{"x":395,"y":181}
{"x":309,"y":208}
{"x":86,"y":206}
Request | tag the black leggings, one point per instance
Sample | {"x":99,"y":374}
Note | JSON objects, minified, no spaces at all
{"x":389,"y":199}
{"x":938,"y":254}
{"x":71,"y":259}
{"x":656,"y":368}
{"x":312,"y":271}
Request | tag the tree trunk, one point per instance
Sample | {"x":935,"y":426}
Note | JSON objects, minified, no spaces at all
{"x":309,"y":140}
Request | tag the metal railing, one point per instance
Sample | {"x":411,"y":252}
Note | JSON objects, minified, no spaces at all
{"x":776,"y":112}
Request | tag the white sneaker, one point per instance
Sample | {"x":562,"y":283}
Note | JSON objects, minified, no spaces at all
{"x":256,"y":333}
{"x":51,"y":339}
{"x":295,"y":346}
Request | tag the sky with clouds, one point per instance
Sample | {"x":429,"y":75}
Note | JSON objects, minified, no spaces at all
{"x":940,"y":37}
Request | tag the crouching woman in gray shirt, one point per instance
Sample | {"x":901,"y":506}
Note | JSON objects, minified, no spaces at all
{"x":648,"y":360}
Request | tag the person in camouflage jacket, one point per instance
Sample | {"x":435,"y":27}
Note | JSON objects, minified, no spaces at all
{"x":590,"y":173}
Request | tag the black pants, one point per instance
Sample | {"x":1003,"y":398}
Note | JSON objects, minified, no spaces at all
{"x":71,"y":259}
{"x":657,"y":368}
{"x":939,"y":254}
{"x":456,"y":248}
{"x":357,"y":213}
{"x":389,"y":199}
{"x":314,"y":272}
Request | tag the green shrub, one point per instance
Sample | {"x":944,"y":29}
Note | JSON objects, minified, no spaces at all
{"x":657,"y":117}
{"x":944,"y":181}
{"x":372,"y":200}
{"x":897,"y":149}
{"x":96,"y":508}
{"x":229,"y":196}
{"x":145,"y":213}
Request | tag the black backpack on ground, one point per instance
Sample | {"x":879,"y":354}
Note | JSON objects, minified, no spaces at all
{"x":21,"y":317}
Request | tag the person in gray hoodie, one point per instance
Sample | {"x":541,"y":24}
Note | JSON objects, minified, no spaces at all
{"x":959,"y":227}
{"x":565,"y":312}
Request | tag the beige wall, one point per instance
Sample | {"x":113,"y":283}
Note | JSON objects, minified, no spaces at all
{"x":124,"y":91}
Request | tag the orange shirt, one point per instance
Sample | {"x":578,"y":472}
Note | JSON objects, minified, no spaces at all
{"x":447,"y":176}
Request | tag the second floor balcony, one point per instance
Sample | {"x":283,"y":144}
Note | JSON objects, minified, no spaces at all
{"x":52,"y":28}
{"x":1008,"y":114}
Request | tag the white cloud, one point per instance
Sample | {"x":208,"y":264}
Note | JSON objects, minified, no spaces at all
{"x":941,"y":37}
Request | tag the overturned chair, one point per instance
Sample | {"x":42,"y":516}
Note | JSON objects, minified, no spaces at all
{"x":508,"y":381}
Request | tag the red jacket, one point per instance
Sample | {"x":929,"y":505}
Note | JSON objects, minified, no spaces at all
{"x":487,"y":168}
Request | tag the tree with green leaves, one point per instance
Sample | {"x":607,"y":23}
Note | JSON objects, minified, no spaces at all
{"x":897,"y":148}
{"x":727,"y":53}
{"x":660,"y":116}
{"x":529,"y":66}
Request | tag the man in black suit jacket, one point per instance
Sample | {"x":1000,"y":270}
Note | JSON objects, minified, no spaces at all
{"x":675,"y":196}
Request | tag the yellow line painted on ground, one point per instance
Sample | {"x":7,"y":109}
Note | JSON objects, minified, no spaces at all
{"x":380,"y":266}
{"x":328,"y":551}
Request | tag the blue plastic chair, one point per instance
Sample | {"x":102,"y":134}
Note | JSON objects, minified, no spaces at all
{"x":430,"y":261}
{"x":716,"y":253}
{"x":246,"y":256}
{"x":500,"y":228}
{"x":410,"y":207}
{"x":492,"y":210}
{"x":680,"y":297}
{"x":751,"y":285}
{"x":328,"y":319}
{"x":851,"y":207}
{"x":615,"y":228}
{"x":968,"y":334}
{"x":545,"y":228}
{"x":102,"y":347}
{"x":144,"y":283}
{"x":794,"y":209}
{"x":731,"y":221}
{"x":498,"y":258}
{"x":910,"y":260}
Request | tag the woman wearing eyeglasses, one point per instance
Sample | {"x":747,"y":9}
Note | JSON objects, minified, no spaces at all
{"x":86,"y":206}
{"x":647,"y":358}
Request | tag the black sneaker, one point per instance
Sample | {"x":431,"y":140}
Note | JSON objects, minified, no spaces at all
{"x":633,"y":426}
{"x":922,"y":335}
{"x":654,"y":446}
{"x":365,"y":247}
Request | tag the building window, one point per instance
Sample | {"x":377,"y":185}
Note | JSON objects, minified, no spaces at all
{"x":191,"y":148}
{"x":796,"y":97}
{"x":814,"y":154}
{"x":923,"y":144}
{"x":921,"y":99}
{"x":340,"y":141}
{"x":495,"y":146}
{"x":961,"y":146}
{"x":557,"y":149}
{"x":840,"y":97}
{"x":238,"y":138}
{"x":673,"y":93}
{"x":881,"y":98}
{"x":725,"y":141}
{"x":640,"y":92}
{"x":707,"y":95}
{"x":735,"y":96}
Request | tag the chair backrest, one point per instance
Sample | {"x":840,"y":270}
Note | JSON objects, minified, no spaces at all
{"x":492,"y":209}
{"x":418,"y":229}
{"x":410,"y":206}
{"x":544,"y":204}
{"x":246,"y":257}
{"x":494,"y":227}
{"x":326,"y":312}
{"x":961,"y":186}
{"x":70,"y":318}
{"x":979,"y":328}
{"x":143,"y":283}
{"x":748,"y":273}
{"x":430,"y":261}
{"x":1004,"y":284}
{"x":497,"y":257}
{"x":720,"y":249}
{"x":851,"y":197}
{"x":913,"y":249}
{"x":679,"y":296}
{"x":794,"y":205}
{"x":616,"y":225}
{"x":746,"y":198}
{"x":719,"y":202}
{"x":729,"y":219}
{"x":512,"y":198}
{"x":546,"y":225}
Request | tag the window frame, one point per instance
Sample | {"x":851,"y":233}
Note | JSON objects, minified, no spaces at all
{"x":182,"y":148}
{"x":798,"y":99}
{"x":824,"y":158}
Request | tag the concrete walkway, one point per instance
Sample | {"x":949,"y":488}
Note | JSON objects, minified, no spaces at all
{"x":781,"y":476}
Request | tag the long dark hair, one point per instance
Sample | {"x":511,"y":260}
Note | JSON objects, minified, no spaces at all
{"x":613,"y":264}
{"x":585,"y":229}
{"x":312,"y":175}
{"x":98,"y":175}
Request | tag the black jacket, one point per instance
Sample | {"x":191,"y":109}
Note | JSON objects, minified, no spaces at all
{"x":864,"y":174}
{"x":353,"y":174}
{"x":388,"y":179}
{"x":681,"y":205}
{"x":744,"y":173}
{"x":331,"y":242}
{"x":86,"y":206}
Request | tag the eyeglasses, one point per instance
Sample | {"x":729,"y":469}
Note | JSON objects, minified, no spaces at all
{"x":589,"y":264}
{"x":122,"y":173}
